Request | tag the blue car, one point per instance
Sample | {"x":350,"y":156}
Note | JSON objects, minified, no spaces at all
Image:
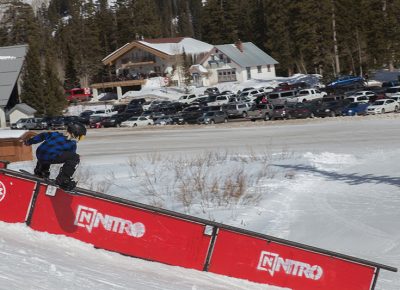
{"x":346,"y":81}
{"x":355,"y":109}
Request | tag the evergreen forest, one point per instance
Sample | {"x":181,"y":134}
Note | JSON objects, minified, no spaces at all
{"x":68,"y":38}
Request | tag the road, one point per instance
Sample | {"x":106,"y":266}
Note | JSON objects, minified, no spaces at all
{"x":331,"y":134}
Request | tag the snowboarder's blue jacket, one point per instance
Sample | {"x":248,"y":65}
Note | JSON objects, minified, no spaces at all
{"x":54,"y":144}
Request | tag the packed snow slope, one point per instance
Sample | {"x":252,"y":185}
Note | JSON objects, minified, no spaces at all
{"x":331,"y":183}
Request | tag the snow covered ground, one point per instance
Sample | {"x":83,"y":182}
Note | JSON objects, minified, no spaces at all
{"x":331,"y":183}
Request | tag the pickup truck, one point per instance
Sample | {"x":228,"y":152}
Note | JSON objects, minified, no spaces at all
{"x":260,"y":111}
{"x":104,"y":113}
{"x":306,"y":95}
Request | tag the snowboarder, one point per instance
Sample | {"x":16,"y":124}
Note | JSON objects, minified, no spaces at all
{"x":58,"y":148}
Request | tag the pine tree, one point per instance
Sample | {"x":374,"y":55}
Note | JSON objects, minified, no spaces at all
{"x":185,"y":27}
{"x":146,"y":22}
{"x":32,"y":81}
{"x":186,"y":63}
{"x":71,"y":75}
{"x":54,"y":100}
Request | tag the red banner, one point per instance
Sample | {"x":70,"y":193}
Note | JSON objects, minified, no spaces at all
{"x":15,"y":198}
{"x":122,"y":228}
{"x":263,"y":261}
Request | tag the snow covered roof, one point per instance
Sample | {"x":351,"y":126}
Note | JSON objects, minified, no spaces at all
{"x":24,"y":108}
{"x":249,"y":56}
{"x":11,"y":61}
{"x":173,"y":46}
{"x":163,"y":47}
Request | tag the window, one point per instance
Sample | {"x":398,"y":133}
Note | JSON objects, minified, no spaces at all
{"x":248,"y":73}
{"x":259,"y":69}
{"x":226,"y":75}
{"x":268,"y":68}
{"x":228,"y":60}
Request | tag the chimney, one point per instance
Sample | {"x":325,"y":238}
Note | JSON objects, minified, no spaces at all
{"x":239,"y":45}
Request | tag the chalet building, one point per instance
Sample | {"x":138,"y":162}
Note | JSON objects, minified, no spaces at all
{"x":136,"y":61}
{"x":11,"y":62}
{"x":233,"y":62}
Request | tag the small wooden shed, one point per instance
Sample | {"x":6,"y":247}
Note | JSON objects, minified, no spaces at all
{"x":11,"y":147}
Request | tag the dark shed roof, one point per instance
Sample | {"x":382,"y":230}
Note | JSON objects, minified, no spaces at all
{"x":11,"y":61}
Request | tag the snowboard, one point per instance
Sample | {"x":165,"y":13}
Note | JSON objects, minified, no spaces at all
{"x":52,"y":186}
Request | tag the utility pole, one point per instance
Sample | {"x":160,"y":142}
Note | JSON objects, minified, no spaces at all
{"x":335,"y":45}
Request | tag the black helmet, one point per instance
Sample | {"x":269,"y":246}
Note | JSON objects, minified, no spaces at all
{"x":76,"y":129}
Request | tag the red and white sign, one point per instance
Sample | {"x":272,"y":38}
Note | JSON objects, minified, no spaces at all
{"x":256,"y":259}
{"x":122,"y":228}
{"x":15,"y":198}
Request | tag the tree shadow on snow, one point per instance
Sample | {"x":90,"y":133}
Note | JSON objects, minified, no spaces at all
{"x":350,"y":178}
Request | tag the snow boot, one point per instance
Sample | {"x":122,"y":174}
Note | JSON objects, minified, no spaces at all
{"x":65,"y":183}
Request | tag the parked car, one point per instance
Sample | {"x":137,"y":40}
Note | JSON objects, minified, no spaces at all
{"x":187,"y":99}
{"x":190,"y":115}
{"x":251,"y":94}
{"x":361,"y":96}
{"x":383,"y":106}
{"x":396,"y":98}
{"x":219,"y":100}
{"x":58,"y":123}
{"x":104,"y":113}
{"x":299,"y":110}
{"x":235,"y":110}
{"x":29,"y":124}
{"x":96,"y":121}
{"x":119,"y":108}
{"x":358,"y":99}
{"x":137,"y":121}
{"x":211,"y":91}
{"x":355,"y":109}
{"x":309,"y":95}
{"x":260,"y":111}
{"x":331,"y":109}
{"x":392,"y":91}
{"x":115,"y":120}
{"x":85,"y":116}
{"x":164,"y":120}
{"x":134,"y":110}
{"x":282,"y":97}
{"x":389,"y":84}
{"x":213,"y":117}
{"x":291,"y":111}
{"x":346,"y":81}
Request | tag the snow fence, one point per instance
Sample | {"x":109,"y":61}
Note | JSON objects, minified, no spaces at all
{"x":155,"y":234}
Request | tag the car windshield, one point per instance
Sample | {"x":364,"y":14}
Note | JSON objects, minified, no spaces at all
{"x":273,"y":96}
{"x":353,"y":105}
{"x":133,"y":119}
{"x":392,"y":90}
{"x":378,"y":103}
{"x":279,"y":107}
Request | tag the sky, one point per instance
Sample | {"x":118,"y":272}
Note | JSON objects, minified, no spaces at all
{"x":330,"y":183}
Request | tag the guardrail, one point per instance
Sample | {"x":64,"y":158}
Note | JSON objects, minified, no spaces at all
{"x":160,"y":235}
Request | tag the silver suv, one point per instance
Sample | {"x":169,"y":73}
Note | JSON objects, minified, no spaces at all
{"x":235,"y":110}
{"x":29,"y":123}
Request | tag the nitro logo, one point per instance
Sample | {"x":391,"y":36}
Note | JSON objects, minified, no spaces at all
{"x":2,"y":191}
{"x":90,"y":218}
{"x":272,"y":263}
